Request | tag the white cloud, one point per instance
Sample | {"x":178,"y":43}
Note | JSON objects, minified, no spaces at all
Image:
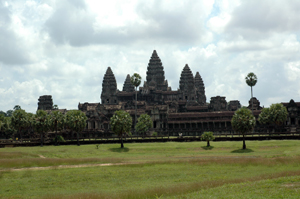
{"x":293,"y":71}
{"x":63,"y":48}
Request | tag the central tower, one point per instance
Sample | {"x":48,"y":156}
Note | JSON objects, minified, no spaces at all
{"x":155,"y":74}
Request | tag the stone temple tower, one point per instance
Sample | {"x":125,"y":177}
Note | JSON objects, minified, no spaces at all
{"x":200,"y":89}
{"x":155,"y":74}
{"x":109,"y":88}
{"x":128,"y":87}
{"x":45,"y":102}
{"x":187,"y":85}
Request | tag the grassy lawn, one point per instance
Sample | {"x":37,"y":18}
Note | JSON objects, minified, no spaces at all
{"x":267,"y":169}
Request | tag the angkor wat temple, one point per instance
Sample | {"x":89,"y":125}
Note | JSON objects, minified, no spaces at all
{"x":173,"y":111}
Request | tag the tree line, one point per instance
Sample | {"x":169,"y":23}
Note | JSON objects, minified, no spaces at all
{"x":23,"y":123}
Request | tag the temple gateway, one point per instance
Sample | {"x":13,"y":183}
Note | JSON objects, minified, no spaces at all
{"x":172,"y":111}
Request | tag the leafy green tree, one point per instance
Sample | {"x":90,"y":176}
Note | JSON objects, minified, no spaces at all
{"x":275,"y":115}
{"x":9,"y":113}
{"x":243,"y":122}
{"x":2,"y":117}
{"x":57,"y":122}
{"x":41,"y":123}
{"x":208,"y":136}
{"x":19,"y":121}
{"x":55,"y":107}
{"x":30,"y":122}
{"x":2,"y":122}
{"x":144,"y":124}
{"x":6,"y":128}
{"x":121,"y":123}
{"x":251,"y":80}
{"x":76,"y":121}
{"x":3,"y":113}
{"x":135,"y":81}
{"x":17,"y":107}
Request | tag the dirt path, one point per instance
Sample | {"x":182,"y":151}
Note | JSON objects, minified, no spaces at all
{"x":67,"y":166}
{"x":105,"y":164}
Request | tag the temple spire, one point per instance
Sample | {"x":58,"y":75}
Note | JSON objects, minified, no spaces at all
{"x":155,"y":73}
{"x":109,"y":88}
{"x":200,"y":89}
{"x":128,"y":87}
{"x":186,"y":82}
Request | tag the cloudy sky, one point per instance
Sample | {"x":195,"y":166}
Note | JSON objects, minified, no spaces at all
{"x":63,"y":48}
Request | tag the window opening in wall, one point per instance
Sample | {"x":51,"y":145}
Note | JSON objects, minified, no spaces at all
{"x":154,"y":124}
{"x":186,"y":97}
{"x":293,"y":121}
{"x":107,"y":101}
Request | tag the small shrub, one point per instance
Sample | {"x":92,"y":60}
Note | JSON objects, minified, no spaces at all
{"x":208,"y":136}
{"x":154,"y":134}
{"x":59,"y":139}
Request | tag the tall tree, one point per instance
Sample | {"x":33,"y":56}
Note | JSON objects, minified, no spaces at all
{"x":2,"y":117}
{"x":144,"y":124}
{"x":55,"y":107}
{"x":19,"y":121}
{"x":6,"y":128}
{"x":135,"y":81}
{"x":57,"y":121}
{"x":120,"y":124}
{"x":30,"y":123}
{"x":275,"y":115}
{"x":2,"y":122}
{"x":76,"y":121}
{"x":41,"y":123}
{"x":251,"y":80}
{"x":243,"y":122}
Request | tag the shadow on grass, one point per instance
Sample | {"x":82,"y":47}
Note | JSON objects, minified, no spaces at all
{"x":242,"y":151}
{"x":119,"y":150}
{"x":207,"y":148}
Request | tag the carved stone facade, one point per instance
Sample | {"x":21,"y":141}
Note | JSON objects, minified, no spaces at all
{"x":172,"y":111}
{"x":168,"y":108}
{"x":256,"y":104}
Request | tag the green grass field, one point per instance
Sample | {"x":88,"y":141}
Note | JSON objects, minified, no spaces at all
{"x":267,"y":169}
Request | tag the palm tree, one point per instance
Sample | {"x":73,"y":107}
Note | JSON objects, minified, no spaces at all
{"x":57,"y":122}
{"x":41,"y":123}
{"x":55,"y":107}
{"x":19,"y":121}
{"x":76,"y":121}
{"x":135,"y":81}
{"x":251,"y":80}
